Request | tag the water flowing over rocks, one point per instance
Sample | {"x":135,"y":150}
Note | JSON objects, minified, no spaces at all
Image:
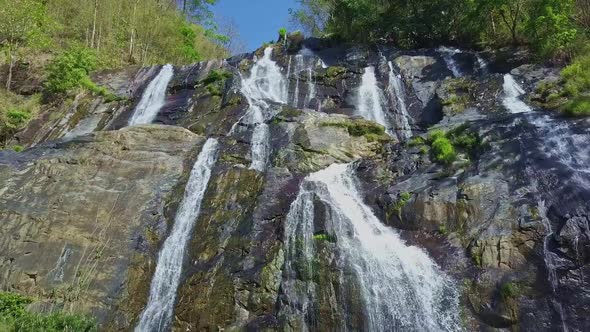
{"x":325,"y":207}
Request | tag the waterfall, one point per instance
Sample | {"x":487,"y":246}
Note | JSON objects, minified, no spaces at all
{"x":512,"y":94}
{"x":400,"y":286}
{"x":483,"y":65}
{"x":370,"y":100}
{"x":154,"y":97}
{"x":266,"y":83}
{"x":448,"y":55}
{"x":311,"y":89}
{"x":304,"y":62}
{"x":550,"y":259}
{"x":158,"y":312}
{"x":397,"y":94}
{"x":298,"y":69}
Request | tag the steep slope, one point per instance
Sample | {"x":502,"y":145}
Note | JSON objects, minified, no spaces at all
{"x":330,"y":163}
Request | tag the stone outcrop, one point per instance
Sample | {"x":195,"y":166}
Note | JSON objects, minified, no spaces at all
{"x":79,"y":217}
{"x":84,"y":212}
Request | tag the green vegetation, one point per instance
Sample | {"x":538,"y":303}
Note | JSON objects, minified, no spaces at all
{"x":121,"y":32}
{"x":576,"y":87}
{"x":216,"y":75}
{"x":335,"y":71}
{"x":402,"y":200}
{"x":509,"y":290}
{"x":61,"y":42}
{"x":371,"y":131}
{"x":443,"y":150}
{"x":444,"y":146}
{"x":579,"y":107}
{"x":282,"y":34}
{"x":70,"y":70}
{"x":15,"y":113}
{"x":324,"y":237}
{"x":552,"y":28}
{"x":576,"y":76}
{"x":416,"y":141}
{"x":15,"y":317}
{"x":215,"y":80}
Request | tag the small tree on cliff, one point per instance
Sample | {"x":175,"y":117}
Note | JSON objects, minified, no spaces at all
{"x":22,"y":24}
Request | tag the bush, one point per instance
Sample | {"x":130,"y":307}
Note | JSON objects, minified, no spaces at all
{"x":402,"y":200}
{"x":577,"y":76}
{"x":16,"y":118}
{"x":216,"y":75}
{"x":282,"y":34}
{"x":579,"y":107}
{"x":443,"y":150}
{"x":70,"y":70}
{"x":509,"y":290}
{"x":13,"y":304}
{"x":15,"y":113}
{"x":17,"y":148}
{"x":465,"y":139}
{"x":15,"y":317}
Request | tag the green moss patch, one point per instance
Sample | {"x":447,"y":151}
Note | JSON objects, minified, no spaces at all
{"x":214,"y":82}
{"x":444,"y":146}
{"x":324,"y":237}
{"x":371,"y":131}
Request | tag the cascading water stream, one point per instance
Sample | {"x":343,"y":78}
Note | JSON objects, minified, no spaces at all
{"x":311,"y":88}
{"x":512,"y":93}
{"x":265,"y":83}
{"x":304,"y":63}
{"x":298,"y":69}
{"x":448,"y":55}
{"x":154,"y":97}
{"x":370,"y":100}
{"x":550,"y":260}
{"x":401,"y":287}
{"x":483,"y":65}
{"x":158,"y":311}
{"x":397,"y":94}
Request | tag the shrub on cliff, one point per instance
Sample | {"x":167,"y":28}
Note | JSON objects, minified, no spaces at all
{"x":443,"y":150}
{"x":70,"y":70}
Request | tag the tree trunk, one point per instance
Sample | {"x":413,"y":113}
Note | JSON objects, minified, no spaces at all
{"x":10,"y":67}
{"x":94,"y":24}
{"x":132,"y":37}
{"x":99,"y":38}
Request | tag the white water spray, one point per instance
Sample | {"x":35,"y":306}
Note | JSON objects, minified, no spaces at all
{"x":154,"y":97}
{"x":512,"y":93}
{"x":401,"y":287}
{"x":157,"y":314}
{"x":448,"y":55}
{"x":397,"y":94}
{"x":266,"y":83}
{"x":370,"y":100}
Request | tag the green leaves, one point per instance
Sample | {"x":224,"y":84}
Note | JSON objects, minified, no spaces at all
{"x":15,"y":317}
{"x":70,"y":69}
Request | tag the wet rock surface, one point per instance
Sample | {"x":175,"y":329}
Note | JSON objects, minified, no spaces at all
{"x":508,"y":219}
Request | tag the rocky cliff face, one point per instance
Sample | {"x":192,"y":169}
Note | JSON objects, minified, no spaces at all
{"x":85,"y":210}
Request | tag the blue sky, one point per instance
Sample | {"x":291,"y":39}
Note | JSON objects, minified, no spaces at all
{"x":258,"y":21}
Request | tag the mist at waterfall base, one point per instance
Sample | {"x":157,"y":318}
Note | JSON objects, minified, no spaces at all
{"x":158,"y":312}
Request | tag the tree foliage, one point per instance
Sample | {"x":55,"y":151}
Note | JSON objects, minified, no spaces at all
{"x":549,"y":26}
